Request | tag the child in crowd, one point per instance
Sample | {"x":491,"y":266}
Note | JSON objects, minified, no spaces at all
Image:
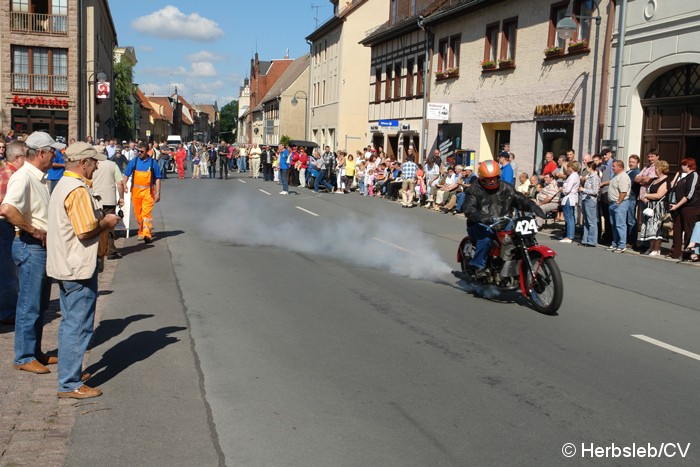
{"x":369,"y":182}
{"x":276,"y":169}
{"x":360,"y":176}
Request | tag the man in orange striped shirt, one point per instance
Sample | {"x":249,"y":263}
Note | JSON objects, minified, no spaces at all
{"x":77,"y":234}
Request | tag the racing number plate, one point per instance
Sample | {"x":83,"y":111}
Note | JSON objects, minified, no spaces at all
{"x":526,"y":227}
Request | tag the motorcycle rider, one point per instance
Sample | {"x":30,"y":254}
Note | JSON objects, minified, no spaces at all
{"x":485,"y":201}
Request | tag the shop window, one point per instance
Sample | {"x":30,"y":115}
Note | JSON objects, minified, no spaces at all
{"x":491,"y":44}
{"x":38,"y":69}
{"x":510,"y":30}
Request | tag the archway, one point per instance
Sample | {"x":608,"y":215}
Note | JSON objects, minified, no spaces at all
{"x":671,"y":108}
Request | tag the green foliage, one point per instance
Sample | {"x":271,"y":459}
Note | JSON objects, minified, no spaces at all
{"x":228,"y":122}
{"x":123,"y":98}
{"x":284,"y":139}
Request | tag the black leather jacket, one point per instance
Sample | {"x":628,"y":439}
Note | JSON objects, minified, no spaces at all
{"x":482,"y":206}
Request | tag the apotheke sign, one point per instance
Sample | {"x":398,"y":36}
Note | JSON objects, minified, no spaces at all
{"x":39,"y":102}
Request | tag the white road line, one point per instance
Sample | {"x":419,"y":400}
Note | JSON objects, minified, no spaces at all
{"x":268,"y":194}
{"x":666,"y":346}
{"x":242,"y":181}
{"x":306,"y":211}
{"x":393,"y":246}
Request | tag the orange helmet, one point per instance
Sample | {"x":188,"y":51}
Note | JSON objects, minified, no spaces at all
{"x":489,"y":174}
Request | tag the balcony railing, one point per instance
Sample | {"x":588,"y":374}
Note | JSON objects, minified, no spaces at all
{"x":45,"y":84}
{"x":39,"y":23}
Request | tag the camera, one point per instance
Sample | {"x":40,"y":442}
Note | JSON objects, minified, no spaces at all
{"x":120,"y":213}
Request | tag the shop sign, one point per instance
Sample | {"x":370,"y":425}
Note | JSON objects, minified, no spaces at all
{"x":554,"y":109}
{"x":388,"y":123}
{"x":438,"y":111}
{"x":103,"y":90}
{"x":39,"y":101}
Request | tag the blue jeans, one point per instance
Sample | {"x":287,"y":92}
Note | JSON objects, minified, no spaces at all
{"x":9,"y":286}
{"x":482,"y":236}
{"x":460,"y":201}
{"x":590,"y":221}
{"x":361,"y":186}
{"x":320,"y":180}
{"x":284,"y":178}
{"x":33,"y":299}
{"x":569,"y":219}
{"x":78,"y":299}
{"x":242,"y":166}
{"x":163,"y":164}
{"x":618,"y":223}
{"x":632,"y":220}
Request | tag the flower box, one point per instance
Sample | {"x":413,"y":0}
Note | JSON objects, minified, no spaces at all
{"x":488,"y":65}
{"x":551,"y":52}
{"x":506,"y":63}
{"x":577,"y":46}
{"x":447,"y":73}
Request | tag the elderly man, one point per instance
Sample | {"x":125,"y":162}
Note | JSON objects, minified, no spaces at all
{"x":77,"y":232}
{"x":107,"y":182}
{"x":14,"y":159}
{"x":26,"y":206}
{"x":548,"y":198}
{"x":618,"y":194}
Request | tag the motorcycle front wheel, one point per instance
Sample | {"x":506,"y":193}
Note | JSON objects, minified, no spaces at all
{"x":546,"y":290}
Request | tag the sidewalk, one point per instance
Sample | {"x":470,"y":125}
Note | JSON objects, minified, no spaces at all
{"x":35,"y":426}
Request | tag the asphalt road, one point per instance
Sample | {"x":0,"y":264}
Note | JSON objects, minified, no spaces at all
{"x":328,"y":331}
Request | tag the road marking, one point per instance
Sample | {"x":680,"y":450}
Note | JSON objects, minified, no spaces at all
{"x":392,"y":245}
{"x":242,"y":181}
{"x":666,"y":346}
{"x":268,"y":194}
{"x":306,"y":211}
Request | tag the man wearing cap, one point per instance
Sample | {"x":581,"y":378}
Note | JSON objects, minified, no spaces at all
{"x":107,"y":182}
{"x":507,"y":174}
{"x":77,"y":235}
{"x":26,"y":206}
{"x":145,"y":190}
{"x":14,"y":159}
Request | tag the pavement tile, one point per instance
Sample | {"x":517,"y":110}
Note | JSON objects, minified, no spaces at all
{"x":30,"y":412}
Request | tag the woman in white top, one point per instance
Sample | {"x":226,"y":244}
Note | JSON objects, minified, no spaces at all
{"x":569,"y":198}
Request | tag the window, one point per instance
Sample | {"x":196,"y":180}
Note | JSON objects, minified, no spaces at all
{"x":448,"y":52}
{"x":491,"y":48}
{"x":558,"y":11}
{"x":323,"y":94}
{"x":20,"y":5}
{"x":397,"y":81}
{"x":409,"y":77}
{"x":40,"y":69}
{"x":510,"y":29}
{"x":420,"y":73}
{"x":387,"y":85}
{"x":377,"y":84}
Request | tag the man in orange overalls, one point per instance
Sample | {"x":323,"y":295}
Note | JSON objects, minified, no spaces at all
{"x":145,"y":189}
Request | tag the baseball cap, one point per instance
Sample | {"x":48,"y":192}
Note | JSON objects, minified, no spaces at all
{"x":40,"y":139}
{"x":80,"y":151}
{"x":469,"y":167}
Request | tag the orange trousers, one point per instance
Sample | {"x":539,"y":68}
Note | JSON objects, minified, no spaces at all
{"x":143,"y":208}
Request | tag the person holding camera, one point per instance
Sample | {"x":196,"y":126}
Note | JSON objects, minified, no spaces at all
{"x":107,"y":181}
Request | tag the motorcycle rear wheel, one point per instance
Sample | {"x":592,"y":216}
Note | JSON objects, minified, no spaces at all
{"x":547,"y":293}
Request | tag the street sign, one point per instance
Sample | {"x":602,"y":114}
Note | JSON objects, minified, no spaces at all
{"x":438,"y":111}
{"x":388,"y":123}
{"x":148,"y":133}
{"x":103,"y":90}
{"x":111,"y":122}
{"x":610,"y":143}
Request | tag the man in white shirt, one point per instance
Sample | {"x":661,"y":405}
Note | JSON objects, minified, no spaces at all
{"x":26,"y":207}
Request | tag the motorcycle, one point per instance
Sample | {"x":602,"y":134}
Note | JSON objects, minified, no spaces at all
{"x":517,"y":261}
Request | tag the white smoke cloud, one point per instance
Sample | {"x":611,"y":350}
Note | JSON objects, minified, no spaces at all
{"x":388,"y":244}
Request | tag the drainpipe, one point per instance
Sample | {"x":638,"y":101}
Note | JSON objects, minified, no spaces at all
{"x":618,"y":71}
{"x":307,"y":130}
{"x":427,"y":35}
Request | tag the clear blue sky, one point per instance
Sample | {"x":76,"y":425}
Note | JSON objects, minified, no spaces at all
{"x":204,"y":47}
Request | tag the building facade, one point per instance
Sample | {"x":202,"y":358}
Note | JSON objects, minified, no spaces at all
{"x":659,"y":88}
{"x":52,"y":53}
{"x":501,"y":74}
{"x":338,"y":74}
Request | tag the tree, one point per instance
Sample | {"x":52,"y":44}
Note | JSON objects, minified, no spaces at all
{"x":228,"y":121}
{"x":284,"y":139}
{"x":123,"y":101}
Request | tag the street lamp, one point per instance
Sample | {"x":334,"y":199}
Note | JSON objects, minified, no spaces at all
{"x":306,"y":111}
{"x":566,"y":29}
